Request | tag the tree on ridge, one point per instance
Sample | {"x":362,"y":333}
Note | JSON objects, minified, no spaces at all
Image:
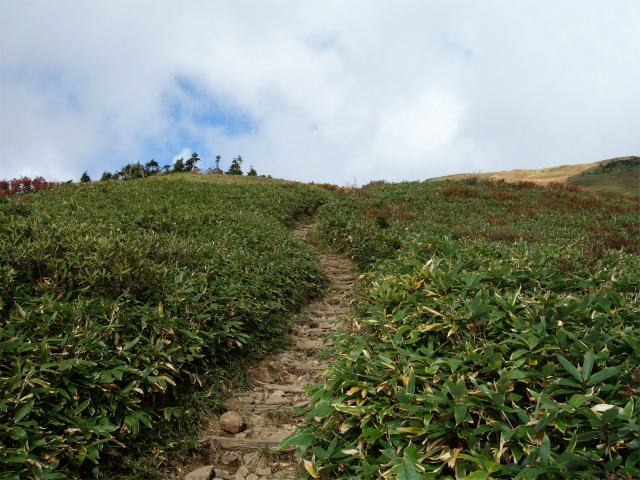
{"x":235,"y":168}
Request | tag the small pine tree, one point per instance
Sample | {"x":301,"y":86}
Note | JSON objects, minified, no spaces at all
{"x":152,"y":167}
{"x":190,"y":165}
{"x":178,"y":166}
{"x":235,"y":168}
{"x":85,"y":177}
{"x":252,"y":172}
{"x":106,"y":176}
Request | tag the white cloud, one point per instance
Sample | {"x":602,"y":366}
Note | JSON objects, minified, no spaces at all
{"x":184,"y":154}
{"x":332,"y":90}
{"x":412,"y":131}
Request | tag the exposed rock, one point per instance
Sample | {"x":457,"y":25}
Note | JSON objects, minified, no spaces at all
{"x":278,"y":398}
{"x":253,"y":476}
{"x":263,"y":472}
{"x":253,"y":461}
{"x":228,"y":458}
{"x":242,"y":471}
{"x":231,"y":422}
{"x":203,"y":473}
{"x":231,"y":443}
{"x":280,"y":475}
{"x":277,"y":437}
{"x":223,"y":474}
{"x":258,"y":431}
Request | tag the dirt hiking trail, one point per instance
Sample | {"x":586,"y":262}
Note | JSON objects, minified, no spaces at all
{"x":242,"y":445}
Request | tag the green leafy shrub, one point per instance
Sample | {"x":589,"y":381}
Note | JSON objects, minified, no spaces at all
{"x":482,"y":361}
{"x":123,"y":304}
{"x":488,"y":356}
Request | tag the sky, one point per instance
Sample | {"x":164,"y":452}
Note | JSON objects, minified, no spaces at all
{"x":344,"y":92}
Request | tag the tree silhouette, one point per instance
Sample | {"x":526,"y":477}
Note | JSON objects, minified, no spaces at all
{"x":235,"y":169}
{"x":85,"y":177}
{"x":191,"y":163}
{"x":178,"y":166}
{"x":252,"y":172}
{"x":152,"y":167}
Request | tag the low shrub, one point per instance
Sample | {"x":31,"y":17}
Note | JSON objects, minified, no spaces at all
{"x":478,"y":362}
{"x":126,"y":306}
{"x":485,"y":357}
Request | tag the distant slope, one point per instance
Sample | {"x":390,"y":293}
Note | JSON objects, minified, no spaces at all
{"x":541,"y":175}
{"x":619,"y":175}
{"x":622,"y":177}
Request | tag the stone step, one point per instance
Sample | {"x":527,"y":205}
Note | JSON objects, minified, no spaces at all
{"x":229,"y":443}
{"x":283,"y":388}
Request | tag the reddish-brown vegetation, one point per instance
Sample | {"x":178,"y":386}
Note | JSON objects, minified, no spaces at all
{"x":16,"y":186}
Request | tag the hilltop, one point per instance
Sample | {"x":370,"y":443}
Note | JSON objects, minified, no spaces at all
{"x":618,"y":175}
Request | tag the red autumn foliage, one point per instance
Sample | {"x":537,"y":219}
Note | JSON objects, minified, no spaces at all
{"x":16,"y":186}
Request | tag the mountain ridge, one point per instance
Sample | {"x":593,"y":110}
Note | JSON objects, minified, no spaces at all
{"x":622,"y":178}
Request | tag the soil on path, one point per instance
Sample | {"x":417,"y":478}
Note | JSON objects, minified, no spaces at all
{"x":264,"y":413}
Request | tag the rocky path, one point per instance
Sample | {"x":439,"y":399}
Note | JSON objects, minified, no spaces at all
{"x":242,"y":445}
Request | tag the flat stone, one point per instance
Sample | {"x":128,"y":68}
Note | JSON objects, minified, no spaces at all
{"x":278,"y":400}
{"x":263,"y":472}
{"x":223,"y":474}
{"x":242,"y":473}
{"x":243,"y":470}
{"x":252,"y":461}
{"x":228,"y":458}
{"x":253,"y":476}
{"x":231,"y":422}
{"x":277,"y":437}
{"x":258,"y":431}
{"x":203,"y":473}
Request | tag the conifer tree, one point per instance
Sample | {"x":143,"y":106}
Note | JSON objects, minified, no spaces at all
{"x":235,"y":168}
{"x":178,"y":166}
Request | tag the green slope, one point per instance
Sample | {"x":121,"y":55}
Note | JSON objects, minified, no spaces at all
{"x":618,"y":175}
{"x":125,"y":305}
{"x":493,"y":335}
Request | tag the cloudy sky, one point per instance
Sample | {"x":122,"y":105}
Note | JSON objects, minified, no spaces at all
{"x":330,"y":91}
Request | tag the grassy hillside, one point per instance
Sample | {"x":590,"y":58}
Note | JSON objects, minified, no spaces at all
{"x":540,"y":176}
{"x":494,"y":328}
{"x":125,"y":305}
{"x":618,"y":175}
{"x":494,"y":334}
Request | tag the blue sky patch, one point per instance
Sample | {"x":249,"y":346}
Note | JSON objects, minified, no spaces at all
{"x":196,"y":104}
